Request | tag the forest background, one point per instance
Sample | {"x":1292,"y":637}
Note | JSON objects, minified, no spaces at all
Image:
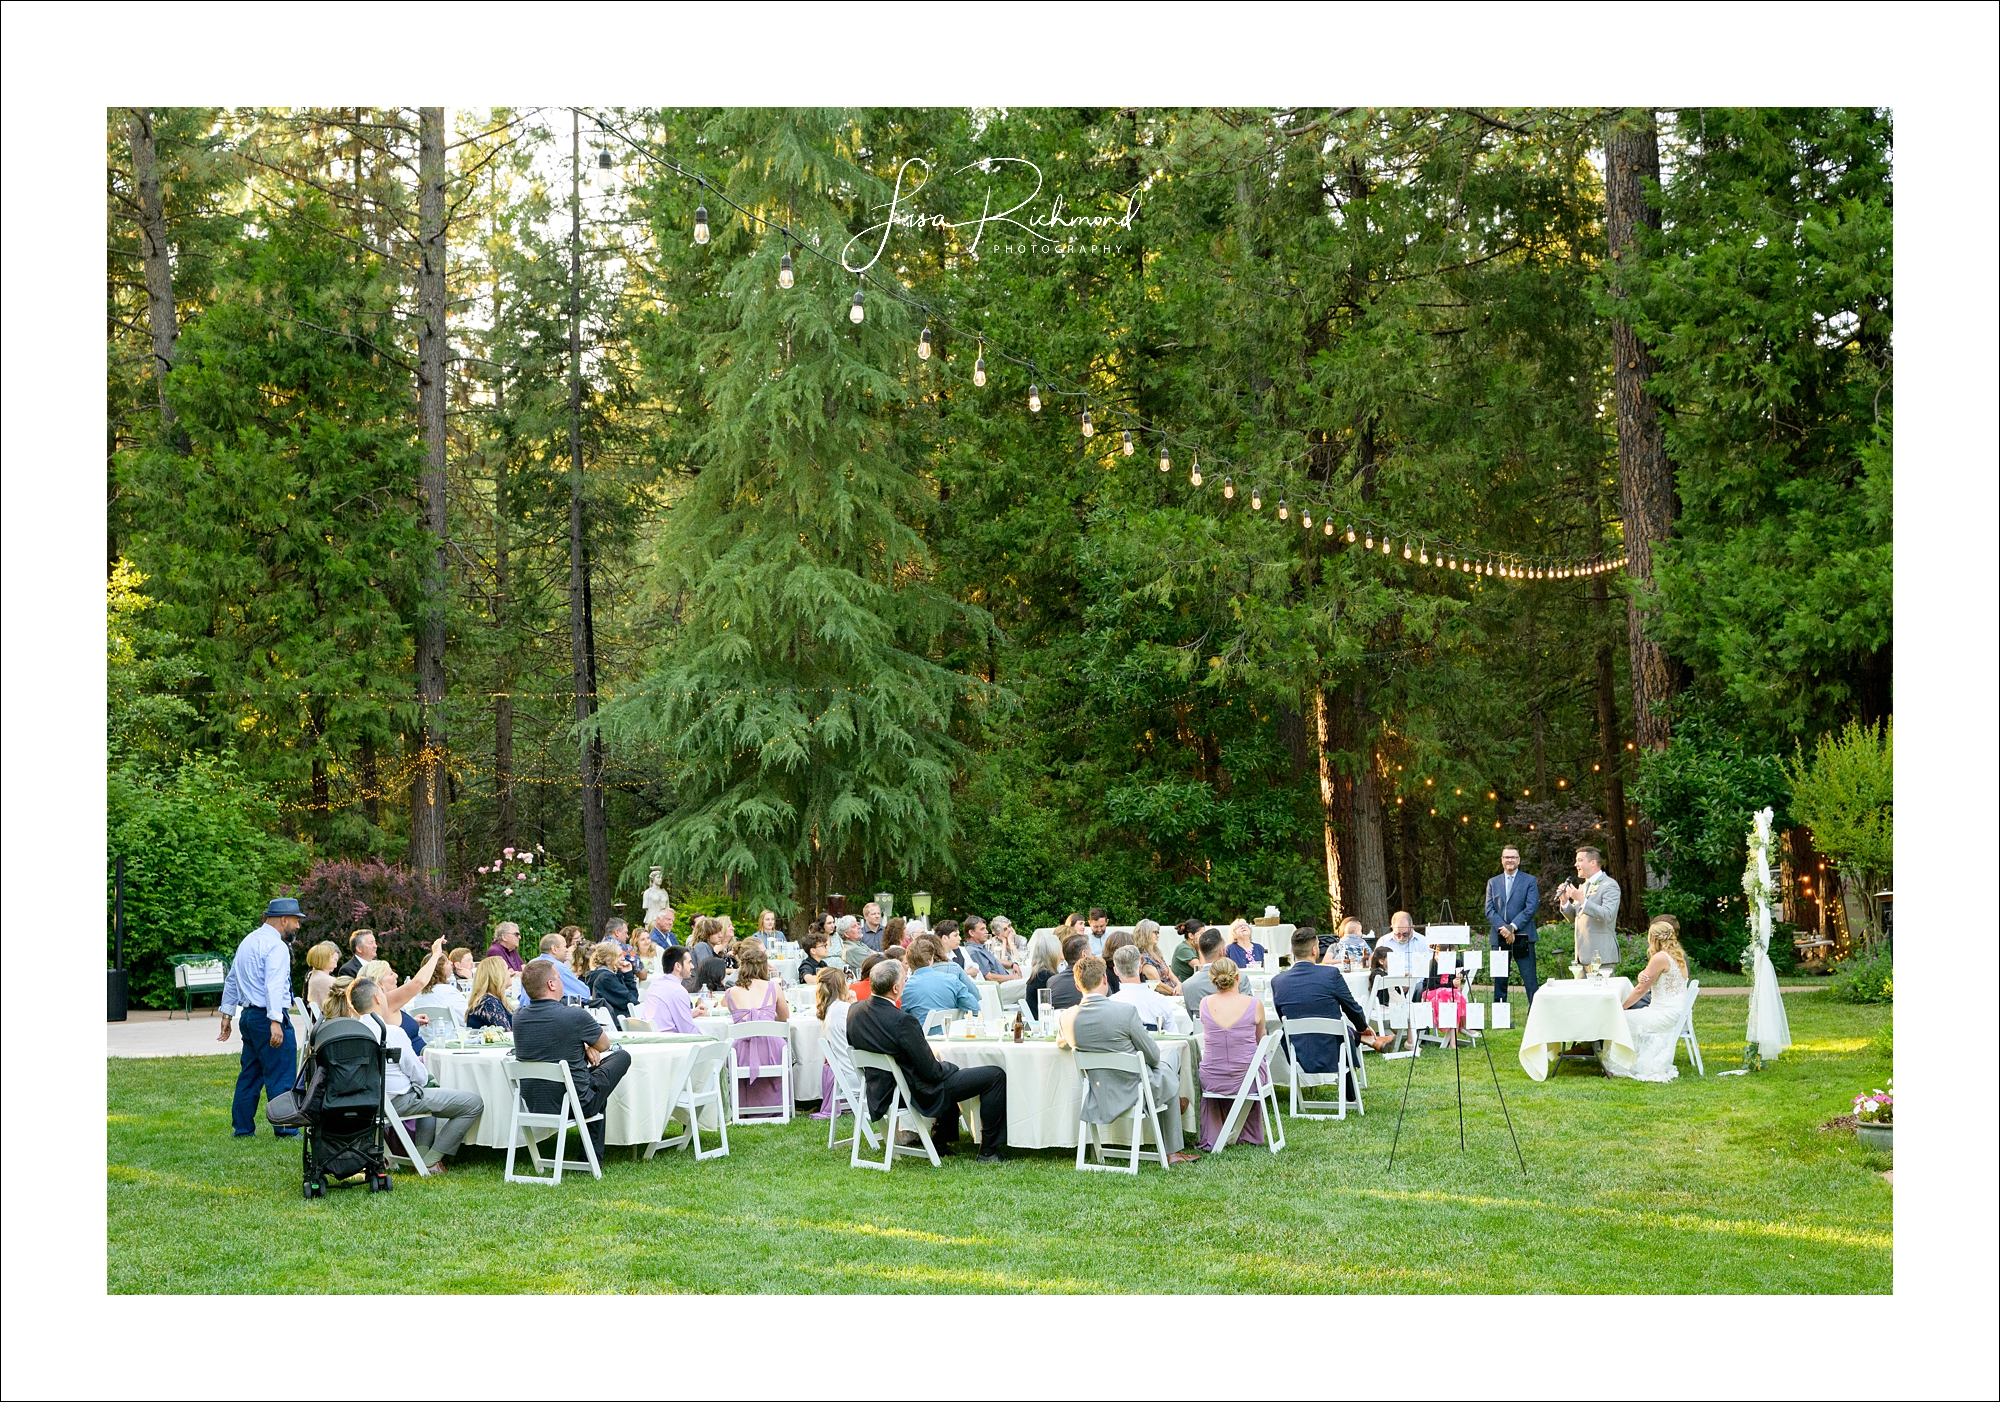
{"x":460,"y":499}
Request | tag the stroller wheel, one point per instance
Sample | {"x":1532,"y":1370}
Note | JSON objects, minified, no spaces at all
{"x":383,"y":1183}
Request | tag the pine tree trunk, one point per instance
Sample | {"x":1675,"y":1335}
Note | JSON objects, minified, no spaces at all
{"x":1447,"y":876}
{"x":1645,"y":476}
{"x":371,"y":782}
{"x":429,"y":794}
{"x":159,"y":269}
{"x":1629,"y":867}
{"x":1371,"y":880}
{"x":503,"y":700}
{"x":596,"y":849}
{"x":1330,"y":802}
{"x":1412,"y":880}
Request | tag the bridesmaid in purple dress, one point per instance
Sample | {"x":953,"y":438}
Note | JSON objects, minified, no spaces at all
{"x":755,"y":998}
{"x":1232,"y":1025}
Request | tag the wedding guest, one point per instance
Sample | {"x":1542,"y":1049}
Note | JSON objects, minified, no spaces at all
{"x":703,"y":947}
{"x":767,"y":929}
{"x":336,"y":1004}
{"x":617,"y":931}
{"x":1005,"y":943}
{"x":1117,"y":1024}
{"x":893,"y":934}
{"x":1311,"y":989}
{"x":869,"y":932}
{"x":1184,"y":961}
{"x":1592,"y":902}
{"x":579,"y":958}
{"x":555,"y":949}
{"x":815,"y":959}
{"x":1243,"y":949}
{"x":1045,"y":960}
{"x":462,"y":966}
{"x":444,"y":1117}
{"x":661,"y":928}
{"x":1062,"y":988}
{"x":853,"y":953}
{"x":945,"y":932}
{"x":506,"y":945}
{"x":979,"y":957}
{"x":1098,"y":920}
{"x":611,"y":983}
{"x":321,"y":959}
{"x":666,"y":1004}
{"x":1449,"y":990}
{"x":1200,"y":981}
{"x":1146,"y":936}
{"x":712,"y":976}
{"x":1408,"y":950}
{"x":443,"y":990}
{"x":378,"y":973}
{"x":756,"y":998}
{"x":257,"y":993}
{"x":1156,"y":1012}
{"x":1112,"y":944}
{"x":1512,"y":898}
{"x":935,"y":982}
{"x":724,"y":940}
{"x":861,"y":988}
{"x":1232,"y":1025}
{"x":486,"y":1004}
{"x":549,"y":1030}
{"x":833,"y":1002}
{"x":937,"y":1087}
{"x":1353,"y":943}
{"x":361,"y":948}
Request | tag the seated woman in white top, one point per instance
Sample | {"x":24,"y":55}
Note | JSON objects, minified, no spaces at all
{"x":1155,"y":1011}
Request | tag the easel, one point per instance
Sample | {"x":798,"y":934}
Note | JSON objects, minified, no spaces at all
{"x":1420,"y":1020}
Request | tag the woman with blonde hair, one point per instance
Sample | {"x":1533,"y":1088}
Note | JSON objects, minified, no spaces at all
{"x":1044,"y":963}
{"x":1656,"y":1027}
{"x":486,"y":1005}
{"x":321,"y":959}
{"x":610,"y":979}
{"x":336,"y":1004}
{"x":1146,"y":935}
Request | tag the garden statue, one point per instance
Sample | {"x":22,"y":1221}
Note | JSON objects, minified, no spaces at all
{"x":654,"y":899}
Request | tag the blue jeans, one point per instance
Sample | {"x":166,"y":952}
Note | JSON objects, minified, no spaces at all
{"x":1520,"y":955}
{"x":265,"y":1067}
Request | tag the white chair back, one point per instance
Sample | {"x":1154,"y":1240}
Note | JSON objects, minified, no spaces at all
{"x":1687,"y":1036}
{"x":939,"y":1018}
{"x":521,"y":1118}
{"x":1298,"y":1078}
{"x":700,"y":1089}
{"x":781,"y":1113}
{"x":900,"y":1106}
{"x":1256,"y":1089}
{"x":1144,"y":1113}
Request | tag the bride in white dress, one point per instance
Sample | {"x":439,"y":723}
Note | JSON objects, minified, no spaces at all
{"x":1655,"y":1026}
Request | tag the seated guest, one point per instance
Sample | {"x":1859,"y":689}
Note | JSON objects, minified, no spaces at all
{"x":579,"y":959}
{"x":1146,"y":936}
{"x":723,"y":937}
{"x":1353,"y":944}
{"x":1184,"y":962}
{"x":1409,"y":952}
{"x":977,"y":957}
{"x":860,"y":987}
{"x":936,"y":1087}
{"x":935,"y":982}
{"x":1044,"y":962}
{"x":321,"y":959}
{"x":997,"y":942}
{"x":1062,"y":988}
{"x":1122,"y":939}
{"x":756,"y":998}
{"x":947,"y":935}
{"x":444,"y":1117}
{"x":550,"y":1030}
{"x":486,"y":1004}
{"x":378,"y":973}
{"x":506,"y":945}
{"x":853,"y":953}
{"x":611,"y":983}
{"x":361,"y":948}
{"x":833,"y":1002}
{"x":555,"y":949}
{"x":666,"y":1004}
{"x":1200,"y":981}
{"x":462,"y":966}
{"x":700,"y":947}
{"x":1115,"y":1024}
{"x":1155,"y":1011}
{"x":1232,"y":1025}
{"x":1313,"y":989}
{"x":619,"y":933}
{"x":894,"y":933}
{"x":443,"y":991}
{"x":336,"y":1004}
{"x":767,"y":932}
{"x":1099,"y":918}
{"x":815,"y":959}
{"x":661,"y":928}
{"x":1243,"y":949}
{"x":712,"y":976}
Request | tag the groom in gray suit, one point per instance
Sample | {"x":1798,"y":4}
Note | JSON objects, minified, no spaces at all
{"x":1592,"y":900}
{"x":1101,"y":1024}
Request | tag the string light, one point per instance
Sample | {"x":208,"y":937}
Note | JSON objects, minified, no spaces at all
{"x":604,"y":160}
{"x":1424,"y":556}
{"x":1034,"y":399}
{"x":1166,"y":462}
{"x":1385,"y":545}
{"x":1306,"y":518}
{"x":1089,"y":429}
{"x":1350,"y":533}
{"x":1329,"y":530}
{"x":1406,"y":550}
{"x":1284,"y":512}
{"x":1256,"y":498}
{"x":979,"y":367}
{"x":1229,"y":489}
{"x":855,"y":313}
{"x":924,"y":348}
{"x":701,"y":224}
{"x":785,"y":271}
{"x":1369,"y":544}
{"x":1128,"y":442}
{"x":1194,"y":476}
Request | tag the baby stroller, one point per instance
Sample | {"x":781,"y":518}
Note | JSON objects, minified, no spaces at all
{"x":338,"y":1104}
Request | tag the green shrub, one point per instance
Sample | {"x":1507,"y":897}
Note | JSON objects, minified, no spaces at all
{"x":528,"y":888}
{"x":1866,"y":977}
{"x":200,"y":865}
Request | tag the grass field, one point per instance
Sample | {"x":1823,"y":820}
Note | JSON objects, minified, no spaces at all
{"x":1716,"y":1184}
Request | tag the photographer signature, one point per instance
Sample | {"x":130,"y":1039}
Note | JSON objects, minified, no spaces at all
{"x":904,"y":215}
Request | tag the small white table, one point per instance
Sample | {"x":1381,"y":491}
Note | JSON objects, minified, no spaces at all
{"x":1577,"y":1010}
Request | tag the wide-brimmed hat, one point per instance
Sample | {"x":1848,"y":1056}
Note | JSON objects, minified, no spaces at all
{"x":283,"y":905}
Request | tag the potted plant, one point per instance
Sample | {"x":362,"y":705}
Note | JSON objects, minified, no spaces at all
{"x":1874,"y":1119}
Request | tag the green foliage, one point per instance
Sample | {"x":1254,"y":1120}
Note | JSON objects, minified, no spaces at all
{"x":1866,"y":977}
{"x":200,"y":864}
{"x":528,"y":888}
{"x":1702,"y":794}
{"x":146,"y":718}
{"x":1846,"y":793}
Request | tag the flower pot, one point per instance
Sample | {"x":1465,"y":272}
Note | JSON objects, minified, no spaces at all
{"x":1880,"y":1138}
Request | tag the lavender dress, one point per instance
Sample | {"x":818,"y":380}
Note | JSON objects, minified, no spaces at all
{"x":757,"y":1053}
{"x":1226,"y":1053}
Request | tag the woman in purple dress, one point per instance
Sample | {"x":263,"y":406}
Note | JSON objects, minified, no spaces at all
{"x":1232,"y":1024}
{"x":755,"y":998}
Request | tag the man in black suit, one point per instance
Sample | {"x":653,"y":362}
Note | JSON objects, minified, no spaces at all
{"x":878,"y":1025}
{"x":1312,"y":989}
{"x":1062,"y":988}
{"x":361,"y":949}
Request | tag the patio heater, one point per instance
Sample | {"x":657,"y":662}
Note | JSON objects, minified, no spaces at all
{"x":115,"y":976}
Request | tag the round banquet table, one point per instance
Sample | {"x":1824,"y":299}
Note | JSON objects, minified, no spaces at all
{"x":1044,"y":1088}
{"x":1577,"y":1010}
{"x":638,"y":1108}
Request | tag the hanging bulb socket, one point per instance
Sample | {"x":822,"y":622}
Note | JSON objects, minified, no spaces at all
{"x":785,"y":271}
{"x":604,"y":160}
{"x":1034,"y":399}
{"x":701,"y":223}
{"x":855,"y":312}
{"x":1128,"y":443}
{"x":1089,"y":429}
{"x":924,"y":345}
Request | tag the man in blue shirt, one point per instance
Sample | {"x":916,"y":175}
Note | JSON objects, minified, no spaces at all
{"x":979,"y":958}
{"x":936,"y":982}
{"x":257,"y":994}
{"x":556,"y":952}
{"x":1099,"y":919}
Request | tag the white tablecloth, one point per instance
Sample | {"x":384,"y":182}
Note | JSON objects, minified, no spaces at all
{"x":804,"y":1037}
{"x":1577,"y":1010}
{"x":1044,"y":1088}
{"x":638,"y":1109}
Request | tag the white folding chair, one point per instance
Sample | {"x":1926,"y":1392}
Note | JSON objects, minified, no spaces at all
{"x":445,"y":1021}
{"x":520,"y":1118}
{"x":638,"y":1024}
{"x":1144,"y":1113}
{"x":853,"y":1096}
{"x":1687,"y":1028}
{"x":700,"y":1087}
{"x":1300,"y":1078}
{"x":739,"y":1113}
{"x":604,"y":1019}
{"x":399,"y":1133}
{"x":900,"y":1106}
{"x":1264,"y":1095}
{"x":939,"y":1019}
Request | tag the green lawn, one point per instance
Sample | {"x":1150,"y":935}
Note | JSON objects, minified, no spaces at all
{"x":1722,"y":1184}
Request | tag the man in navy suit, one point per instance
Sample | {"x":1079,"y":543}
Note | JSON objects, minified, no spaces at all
{"x":1512,"y":898}
{"x":1310,"y":988}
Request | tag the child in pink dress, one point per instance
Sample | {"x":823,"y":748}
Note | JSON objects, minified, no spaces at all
{"x":1449,"y":991}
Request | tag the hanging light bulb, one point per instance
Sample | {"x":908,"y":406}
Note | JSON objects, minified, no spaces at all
{"x":854,"y":313}
{"x":1451,"y":564}
{"x":1406,"y":550}
{"x":701,"y":223}
{"x":1489,"y":569}
{"x":1369,"y":543}
{"x":1229,"y":489}
{"x":1166,"y":463}
{"x":1350,"y":533}
{"x":1089,"y":429}
{"x":1035,"y":399}
{"x":1194,"y":475}
{"x":1256,"y":498}
{"x":785,"y":271}
{"x":979,"y":367}
{"x":1329,"y":529}
{"x":924,"y":345}
{"x":1284,"y":512}
{"x":1306,"y":518}
{"x":1385,"y":545}
{"x":1424,"y":555}
{"x":1128,"y":442}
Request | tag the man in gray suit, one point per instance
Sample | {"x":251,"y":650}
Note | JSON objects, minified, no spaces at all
{"x":1198,"y":985}
{"x":1592,"y":900}
{"x":1102,"y":1024}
